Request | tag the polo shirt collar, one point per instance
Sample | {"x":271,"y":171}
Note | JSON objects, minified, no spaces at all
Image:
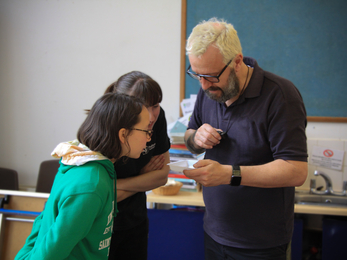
{"x":256,"y":82}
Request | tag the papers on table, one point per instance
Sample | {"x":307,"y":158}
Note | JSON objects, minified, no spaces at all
{"x":177,"y":129}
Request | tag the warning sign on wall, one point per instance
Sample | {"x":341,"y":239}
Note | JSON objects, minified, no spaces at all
{"x":327,"y":158}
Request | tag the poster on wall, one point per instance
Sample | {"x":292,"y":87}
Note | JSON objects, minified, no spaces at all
{"x":327,"y":158}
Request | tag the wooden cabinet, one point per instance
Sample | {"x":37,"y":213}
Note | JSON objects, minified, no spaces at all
{"x":17,"y":214}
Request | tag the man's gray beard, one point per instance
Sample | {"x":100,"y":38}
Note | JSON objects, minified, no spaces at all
{"x":231,"y":90}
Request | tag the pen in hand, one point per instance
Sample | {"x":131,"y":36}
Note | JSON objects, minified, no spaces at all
{"x":222,"y":134}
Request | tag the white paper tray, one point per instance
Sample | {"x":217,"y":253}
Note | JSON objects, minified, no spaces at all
{"x":179,"y":166}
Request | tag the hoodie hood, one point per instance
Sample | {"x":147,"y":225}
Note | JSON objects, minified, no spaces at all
{"x":74,"y":153}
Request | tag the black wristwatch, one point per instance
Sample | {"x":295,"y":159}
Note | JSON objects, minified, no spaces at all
{"x":236,"y":177}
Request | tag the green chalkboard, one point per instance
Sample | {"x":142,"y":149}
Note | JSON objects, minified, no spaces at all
{"x":304,"y":41}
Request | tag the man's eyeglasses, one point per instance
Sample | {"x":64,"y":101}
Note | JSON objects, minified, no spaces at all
{"x":213,"y":79}
{"x":148,"y":132}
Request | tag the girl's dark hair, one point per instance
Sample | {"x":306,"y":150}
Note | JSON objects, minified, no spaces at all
{"x":109,"y":114}
{"x":138,"y":84}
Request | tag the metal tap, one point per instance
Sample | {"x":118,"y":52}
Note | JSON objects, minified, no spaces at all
{"x":328,"y":186}
{"x":343,"y":193}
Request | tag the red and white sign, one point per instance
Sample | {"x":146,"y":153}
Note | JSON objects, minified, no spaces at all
{"x":328,"y":153}
{"x":327,"y":158}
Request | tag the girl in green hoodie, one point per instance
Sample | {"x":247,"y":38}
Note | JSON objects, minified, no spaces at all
{"x":78,"y":216}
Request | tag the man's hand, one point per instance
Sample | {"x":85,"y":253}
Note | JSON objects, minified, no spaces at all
{"x":207,"y":136}
{"x":210,"y":173}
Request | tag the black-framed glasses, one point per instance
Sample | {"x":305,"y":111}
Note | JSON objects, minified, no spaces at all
{"x":213,"y":79}
{"x":148,"y":132}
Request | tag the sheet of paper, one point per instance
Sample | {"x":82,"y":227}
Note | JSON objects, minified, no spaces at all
{"x":327,"y":158}
{"x":187,"y":106}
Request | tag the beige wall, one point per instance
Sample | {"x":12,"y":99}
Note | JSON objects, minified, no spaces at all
{"x":57,"y":58}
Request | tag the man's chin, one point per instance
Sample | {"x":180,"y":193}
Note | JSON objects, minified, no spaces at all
{"x":212,"y":96}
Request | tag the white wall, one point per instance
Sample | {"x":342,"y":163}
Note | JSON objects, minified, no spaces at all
{"x":332,"y":136}
{"x":58,"y":57}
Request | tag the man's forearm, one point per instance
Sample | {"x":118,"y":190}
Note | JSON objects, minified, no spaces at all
{"x":278,"y":173}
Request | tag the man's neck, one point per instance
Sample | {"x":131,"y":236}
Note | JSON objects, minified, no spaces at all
{"x":247,"y":74}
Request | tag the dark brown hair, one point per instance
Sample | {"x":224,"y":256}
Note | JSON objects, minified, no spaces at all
{"x":138,"y":84}
{"x":109,"y":114}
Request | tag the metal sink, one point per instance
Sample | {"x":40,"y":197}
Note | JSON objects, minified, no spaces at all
{"x":320,"y":200}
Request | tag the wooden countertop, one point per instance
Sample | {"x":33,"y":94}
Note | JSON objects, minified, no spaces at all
{"x":182,"y":198}
{"x":195,"y":199}
{"x":320,"y":210}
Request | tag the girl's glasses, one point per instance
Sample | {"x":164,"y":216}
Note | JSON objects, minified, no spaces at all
{"x":148,"y":132}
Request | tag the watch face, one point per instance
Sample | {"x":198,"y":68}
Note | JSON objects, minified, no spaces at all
{"x":237,"y":173}
{"x":236,"y":177}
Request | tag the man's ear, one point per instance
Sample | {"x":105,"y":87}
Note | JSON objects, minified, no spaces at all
{"x":238,"y":60}
{"x":122,"y":135}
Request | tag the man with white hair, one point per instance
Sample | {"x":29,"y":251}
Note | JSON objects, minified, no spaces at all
{"x":251,"y":123}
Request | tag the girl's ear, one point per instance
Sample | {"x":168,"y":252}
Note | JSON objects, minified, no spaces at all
{"x":122,"y":135}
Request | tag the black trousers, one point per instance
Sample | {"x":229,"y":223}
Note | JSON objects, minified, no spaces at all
{"x":216,"y":251}
{"x":130,"y":243}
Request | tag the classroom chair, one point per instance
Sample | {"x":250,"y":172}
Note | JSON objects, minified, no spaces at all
{"x":48,"y":170}
{"x":8,"y":179}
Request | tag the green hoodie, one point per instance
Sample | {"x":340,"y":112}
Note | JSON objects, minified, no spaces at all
{"x":78,"y":216}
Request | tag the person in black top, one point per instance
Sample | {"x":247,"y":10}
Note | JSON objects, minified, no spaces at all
{"x":136,"y":176}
